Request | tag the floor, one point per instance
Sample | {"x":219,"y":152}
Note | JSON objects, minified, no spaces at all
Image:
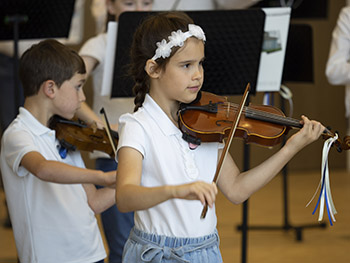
{"x":269,"y":239}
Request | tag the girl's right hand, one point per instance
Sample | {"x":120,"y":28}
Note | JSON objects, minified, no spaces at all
{"x":199,"y":190}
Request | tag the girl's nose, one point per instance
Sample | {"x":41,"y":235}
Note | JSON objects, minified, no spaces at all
{"x":199,"y":73}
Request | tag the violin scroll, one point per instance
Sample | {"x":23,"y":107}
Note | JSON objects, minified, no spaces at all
{"x":341,"y":145}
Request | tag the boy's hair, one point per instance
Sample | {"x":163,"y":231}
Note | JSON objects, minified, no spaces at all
{"x":152,"y":30}
{"x":48,"y":60}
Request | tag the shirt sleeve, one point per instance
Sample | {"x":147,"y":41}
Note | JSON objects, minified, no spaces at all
{"x":15,"y":145}
{"x":338,"y":66}
{"x":131,"y":134}
{"x":95,"y":48}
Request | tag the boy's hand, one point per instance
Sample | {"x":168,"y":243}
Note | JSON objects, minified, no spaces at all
{"x":110,"y":178}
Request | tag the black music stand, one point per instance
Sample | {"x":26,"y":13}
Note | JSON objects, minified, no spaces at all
{"x":298,"y":67}
{"x":233,"y":48}
{"x":33,"y":19}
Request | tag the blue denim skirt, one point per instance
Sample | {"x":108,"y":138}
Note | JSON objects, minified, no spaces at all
{"x":144,"y":247}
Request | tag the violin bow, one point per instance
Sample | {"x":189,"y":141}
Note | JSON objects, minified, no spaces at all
{"x":108,"y":130}
{"x":228,"y":142}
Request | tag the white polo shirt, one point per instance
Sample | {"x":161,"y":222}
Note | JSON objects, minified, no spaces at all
{"x":167,"y":160}
{"x":338,"y":66}
{"x":51,"y":222}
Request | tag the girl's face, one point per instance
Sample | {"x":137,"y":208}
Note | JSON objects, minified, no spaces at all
{"x":183,"y":75}
{"x":116,"y":7}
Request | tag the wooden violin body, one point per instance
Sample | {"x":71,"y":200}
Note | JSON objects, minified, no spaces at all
{"x":209,"y":119}
{"x":77,"y":135}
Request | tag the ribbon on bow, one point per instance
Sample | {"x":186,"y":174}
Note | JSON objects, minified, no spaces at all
{"x":325,"y":197}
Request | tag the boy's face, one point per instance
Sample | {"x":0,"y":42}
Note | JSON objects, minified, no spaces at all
{"x":116,"y":7}
{"x":70,"y":96}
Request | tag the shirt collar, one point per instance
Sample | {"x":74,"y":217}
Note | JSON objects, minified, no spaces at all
{"x":32,"y":123}
{"x":159,"y":117}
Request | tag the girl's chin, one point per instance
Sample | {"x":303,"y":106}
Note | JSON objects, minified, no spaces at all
{"x":190,"y":99}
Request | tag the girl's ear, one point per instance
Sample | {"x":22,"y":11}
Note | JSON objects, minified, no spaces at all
{"x":152,"y":69}
{"x":49,"y":88}
{"x":110,"y":7}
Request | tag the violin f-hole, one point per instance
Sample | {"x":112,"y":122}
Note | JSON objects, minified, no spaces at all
{"x":222,"y":121}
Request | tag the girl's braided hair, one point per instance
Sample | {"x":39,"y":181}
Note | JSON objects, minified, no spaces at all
{"x":152,"y":30}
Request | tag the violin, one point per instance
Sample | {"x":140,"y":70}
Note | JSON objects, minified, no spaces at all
{"x":75,"y":134}
{"x":209,"y":119}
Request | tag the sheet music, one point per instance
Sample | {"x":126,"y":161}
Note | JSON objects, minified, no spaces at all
{"x":274,"y":48}
{"x":108,"y":69}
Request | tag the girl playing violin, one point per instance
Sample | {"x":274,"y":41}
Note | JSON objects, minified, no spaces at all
{"x":158,"y":176}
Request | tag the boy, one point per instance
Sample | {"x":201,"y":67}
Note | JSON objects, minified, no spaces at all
{"x":52,"y":199}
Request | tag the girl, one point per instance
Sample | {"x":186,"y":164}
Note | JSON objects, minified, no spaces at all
{"x":158,"y":176}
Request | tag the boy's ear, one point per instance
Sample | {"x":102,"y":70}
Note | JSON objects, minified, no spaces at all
{"x":49,"y":88}
{"x":152,"y":69}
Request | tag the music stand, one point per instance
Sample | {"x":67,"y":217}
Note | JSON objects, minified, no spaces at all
{"x":33,"y":19}
{"x":298,"y":67}
{"x":233,"y":48}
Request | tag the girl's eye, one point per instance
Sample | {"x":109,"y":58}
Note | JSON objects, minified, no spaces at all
{"x":78,"y":87}
{"x":128,"y":3}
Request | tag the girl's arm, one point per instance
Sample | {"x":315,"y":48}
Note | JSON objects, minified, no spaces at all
{"x":90,"y":64}
{"x":58,"y":172}
{"x":238,"y":187}
{"x":130,"y":196}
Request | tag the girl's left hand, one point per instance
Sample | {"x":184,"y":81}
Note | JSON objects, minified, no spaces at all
{"x":310,"y":132}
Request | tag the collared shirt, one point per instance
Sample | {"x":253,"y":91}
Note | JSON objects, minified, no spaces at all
{"x":167,"y":160}
{"x":338,"y":64}
{"x":51,"y":222}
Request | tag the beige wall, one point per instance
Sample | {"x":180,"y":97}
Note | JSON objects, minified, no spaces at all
{"x":319,"y":100}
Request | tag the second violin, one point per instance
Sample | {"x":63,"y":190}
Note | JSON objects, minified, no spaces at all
{"x":77,"y":135}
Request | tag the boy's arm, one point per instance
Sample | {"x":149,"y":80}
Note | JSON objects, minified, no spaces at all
{"x":100,"y":199}
{"x":58,"y":172}
{"x":86,"y":114}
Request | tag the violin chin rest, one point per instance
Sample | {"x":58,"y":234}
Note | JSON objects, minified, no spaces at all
{"x":191,"y":140}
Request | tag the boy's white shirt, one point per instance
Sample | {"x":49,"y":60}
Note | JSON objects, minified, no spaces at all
{"x":51,"y":222}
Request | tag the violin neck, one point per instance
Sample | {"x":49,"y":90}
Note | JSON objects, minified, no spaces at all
{"x":272,"y":118}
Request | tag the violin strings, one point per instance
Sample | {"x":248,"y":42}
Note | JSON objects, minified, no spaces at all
{"x":264,"y":115}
